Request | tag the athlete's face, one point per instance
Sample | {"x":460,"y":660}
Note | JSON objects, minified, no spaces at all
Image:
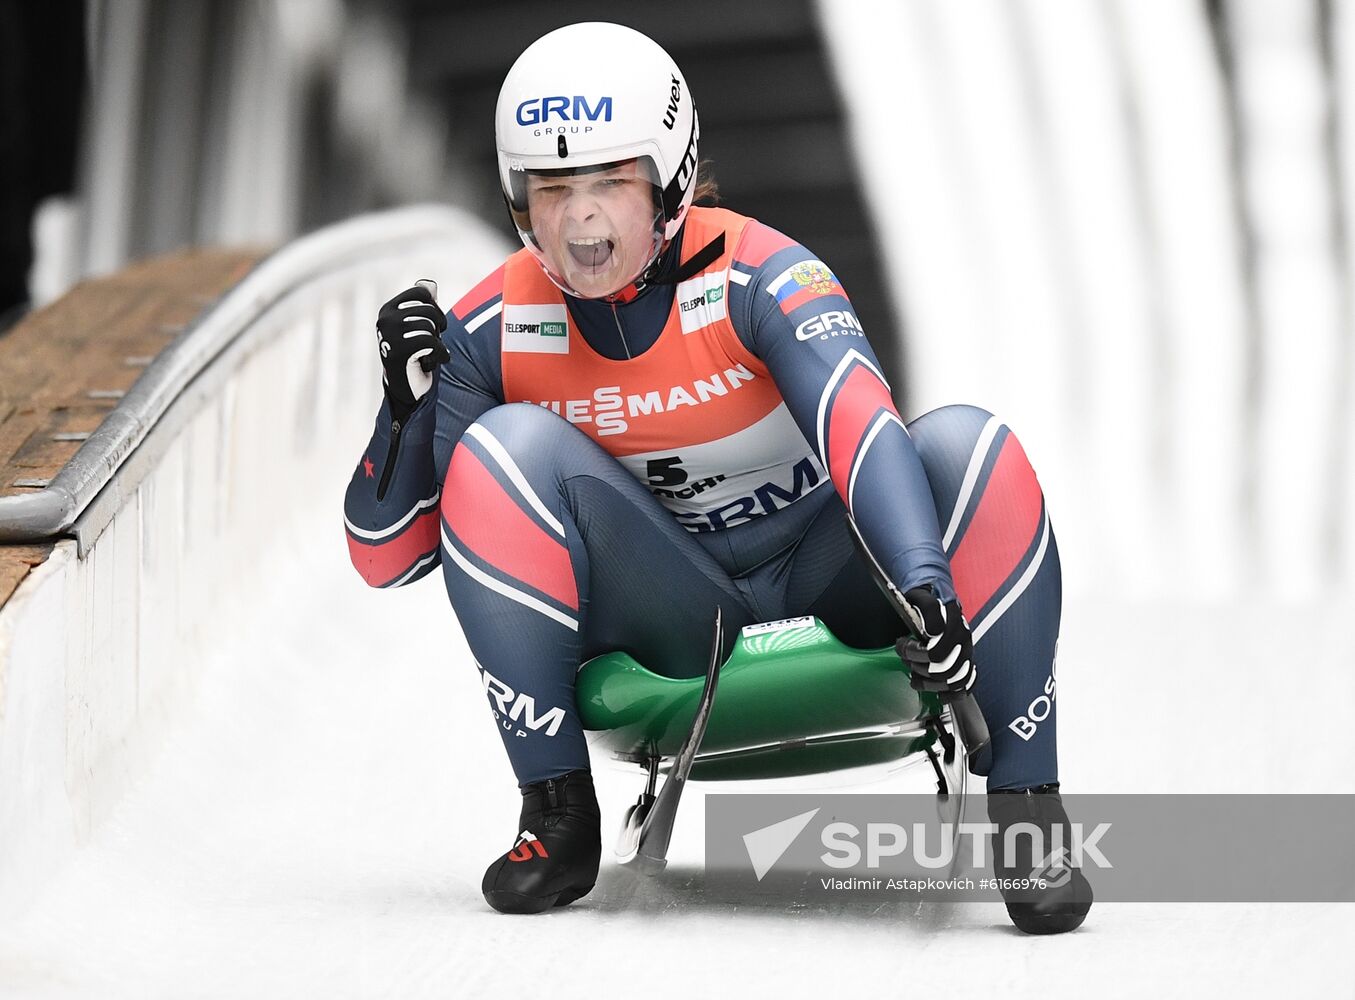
{"x":596,"y":229}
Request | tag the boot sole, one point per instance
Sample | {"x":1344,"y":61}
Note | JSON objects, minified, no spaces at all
{"x":515,"y":902}
{"x":1047,"y":923}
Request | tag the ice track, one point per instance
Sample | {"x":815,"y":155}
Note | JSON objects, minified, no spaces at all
{"x":317,"y":824}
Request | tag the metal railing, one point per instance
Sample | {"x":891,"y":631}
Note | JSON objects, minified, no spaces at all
{"x":77,"y":502}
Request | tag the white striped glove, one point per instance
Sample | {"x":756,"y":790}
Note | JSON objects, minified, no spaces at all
{"x":407,"y":332}
{"x":941,"y":654}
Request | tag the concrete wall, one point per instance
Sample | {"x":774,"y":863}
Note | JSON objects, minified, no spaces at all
{"x":98,"y":654}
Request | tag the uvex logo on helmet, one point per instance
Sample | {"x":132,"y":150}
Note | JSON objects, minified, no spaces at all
{"x":538,"y":110}
{"x":687,"y":166}
{"x":674,"y":99}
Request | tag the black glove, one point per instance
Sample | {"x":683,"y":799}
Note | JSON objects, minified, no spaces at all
{"x":941,"y":653}
{"x":407,"y":332}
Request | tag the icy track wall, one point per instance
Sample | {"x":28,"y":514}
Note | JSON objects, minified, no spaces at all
{"x":1135,"y":249}
{"x":191,"y":493}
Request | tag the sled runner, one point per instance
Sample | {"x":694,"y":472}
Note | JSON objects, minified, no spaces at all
{"x":792,"y":700}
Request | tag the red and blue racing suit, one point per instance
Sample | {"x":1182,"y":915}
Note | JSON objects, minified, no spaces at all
{"x":597,"y":476}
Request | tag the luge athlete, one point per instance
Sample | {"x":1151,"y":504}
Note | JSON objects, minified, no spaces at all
{"x":655,"y":409}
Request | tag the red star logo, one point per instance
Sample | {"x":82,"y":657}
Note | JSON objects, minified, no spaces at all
{"x":368,"y":467}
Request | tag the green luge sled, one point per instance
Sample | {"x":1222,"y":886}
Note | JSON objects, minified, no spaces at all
{"x":792,"y":700}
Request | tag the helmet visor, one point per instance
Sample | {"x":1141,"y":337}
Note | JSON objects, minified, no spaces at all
{"x":593,"y":228}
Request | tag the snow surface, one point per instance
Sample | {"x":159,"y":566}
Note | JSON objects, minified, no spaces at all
{"x":318,"y":823}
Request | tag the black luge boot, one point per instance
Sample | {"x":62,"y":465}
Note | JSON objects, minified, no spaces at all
{"x":1063,"y":904}
{"x":555,"y":858}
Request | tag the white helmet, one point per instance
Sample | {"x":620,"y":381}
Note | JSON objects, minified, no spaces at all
{"x":590,"y":94}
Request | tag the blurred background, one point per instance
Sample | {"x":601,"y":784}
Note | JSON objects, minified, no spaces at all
{"x":1122,"y":225}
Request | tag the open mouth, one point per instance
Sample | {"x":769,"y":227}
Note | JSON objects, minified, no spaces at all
{"x":591,"y":251}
